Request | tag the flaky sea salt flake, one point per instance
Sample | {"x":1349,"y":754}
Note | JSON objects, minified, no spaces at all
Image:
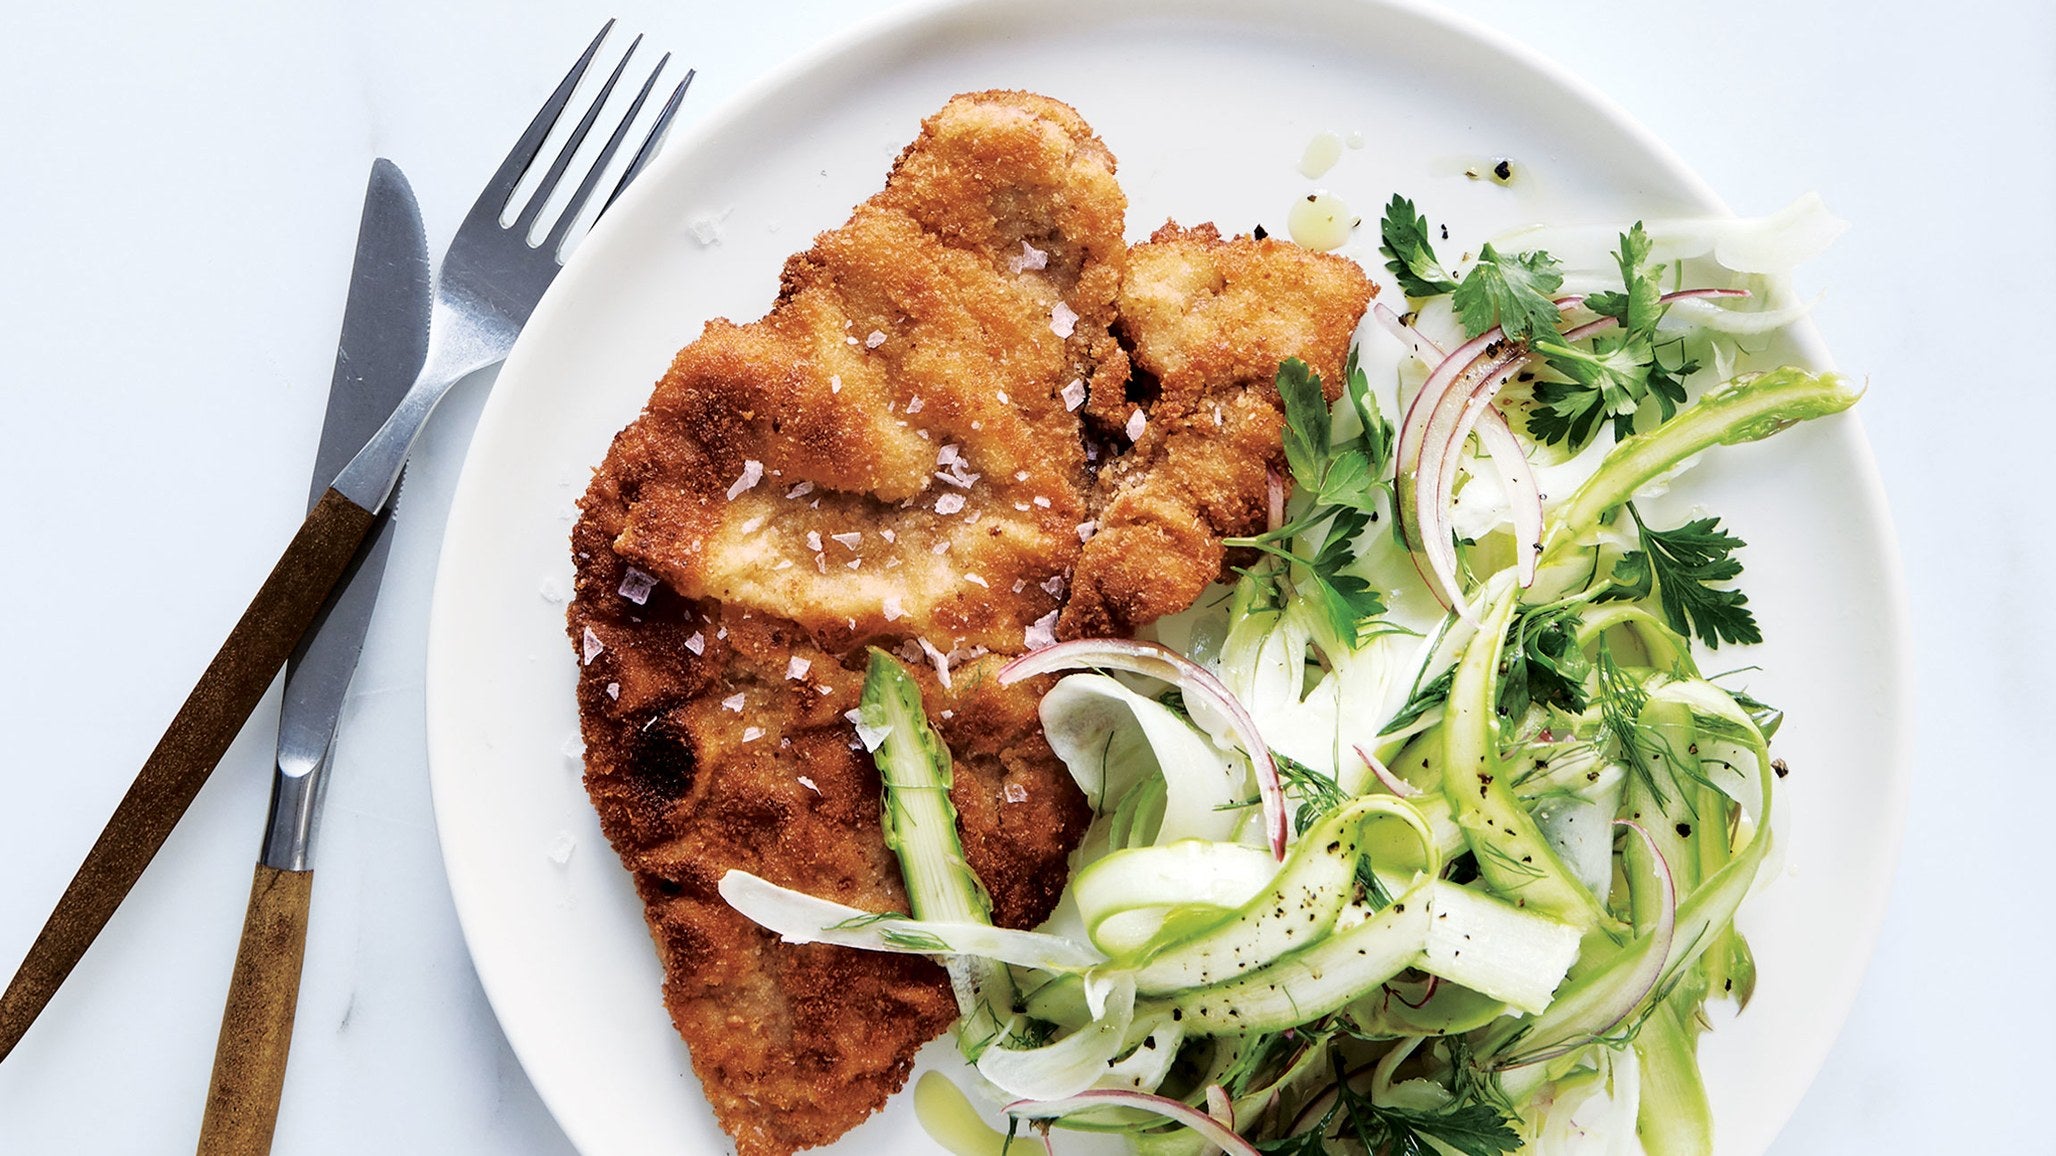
{"x":1041,"y":632}
{"x":636,"y":586}
{"x":752,"y":473}
{"x":1137,"y":422}
{"x":947,"y":504}
{"x":796,"y":667}
{"x":872,"y":737}
{"x":1063,"y":320}
{"x":939,"y":659}
{"x":1073,"y":394}
{"x":590,"y":647}
{"x":734,"y":702}
{"x":1029,"y":258}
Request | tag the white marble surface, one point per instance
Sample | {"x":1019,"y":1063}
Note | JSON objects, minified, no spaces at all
{"x":182,"y":187}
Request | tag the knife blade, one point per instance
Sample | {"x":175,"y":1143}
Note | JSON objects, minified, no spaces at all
{"x":384,"y":343}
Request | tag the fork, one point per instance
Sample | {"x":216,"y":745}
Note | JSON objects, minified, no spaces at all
{"x":491,"y":279}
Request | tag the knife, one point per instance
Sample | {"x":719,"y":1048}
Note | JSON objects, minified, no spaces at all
{"x":384,"y":342}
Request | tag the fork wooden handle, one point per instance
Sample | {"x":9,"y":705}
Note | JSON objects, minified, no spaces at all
{"x":283,"y":610}
{"x":257,"y":1020}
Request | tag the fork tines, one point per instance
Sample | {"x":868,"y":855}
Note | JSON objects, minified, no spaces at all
{"x":501,"y":192}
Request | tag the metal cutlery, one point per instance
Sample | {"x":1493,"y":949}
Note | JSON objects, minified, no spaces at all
{"x":384,"y":343}
{"x":491,"y":279}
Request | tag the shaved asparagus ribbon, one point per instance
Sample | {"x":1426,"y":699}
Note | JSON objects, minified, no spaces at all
{"x":1217,"y":1133}
{"x":1449,"y":407}
{"x":1204,"y":694}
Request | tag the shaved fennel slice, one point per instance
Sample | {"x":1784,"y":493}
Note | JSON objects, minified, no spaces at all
{"x":1153,"y":1043}
{"x":1112,"y":740}
{"x":798,"y":917}
{"x":1774,"y":244}
{"x":1213,"y":708}
{"x":1069,"y":1065}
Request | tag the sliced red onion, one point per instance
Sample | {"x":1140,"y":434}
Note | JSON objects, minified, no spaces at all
{"x":1435,"y":475}
{"x":1423,"y":438}
{"x":1393,"y":783}
{"x":1199,"y":686}
{"x":1213,"y":1130}
{"x":1619,"y":999}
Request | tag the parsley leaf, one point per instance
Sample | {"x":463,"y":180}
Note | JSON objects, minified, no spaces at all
{"x":1681,"y":564}
{"x":1346,"y":599}
{"x":1640,"y":307}
{"x":1378,"y":437}
{"x":1544,"y":663}
{"x":1511,"y":291}
{"x":1622,"y":370}
{"x":1306,"y":422}
{"x":1473,"y":1129}
{"x":1404,"y":239}
{"x":1344,"y":483}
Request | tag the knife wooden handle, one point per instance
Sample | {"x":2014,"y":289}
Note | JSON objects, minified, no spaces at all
{"x":257,"y":1021}
{"x":283,"y":610}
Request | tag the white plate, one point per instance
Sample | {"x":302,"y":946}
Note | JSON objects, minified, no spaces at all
{"x":1208,"y":105}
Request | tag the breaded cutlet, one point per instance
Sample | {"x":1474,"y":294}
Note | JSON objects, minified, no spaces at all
{"x":888,"y":457}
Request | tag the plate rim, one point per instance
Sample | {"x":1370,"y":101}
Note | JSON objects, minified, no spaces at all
{"x":873,"y":33}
